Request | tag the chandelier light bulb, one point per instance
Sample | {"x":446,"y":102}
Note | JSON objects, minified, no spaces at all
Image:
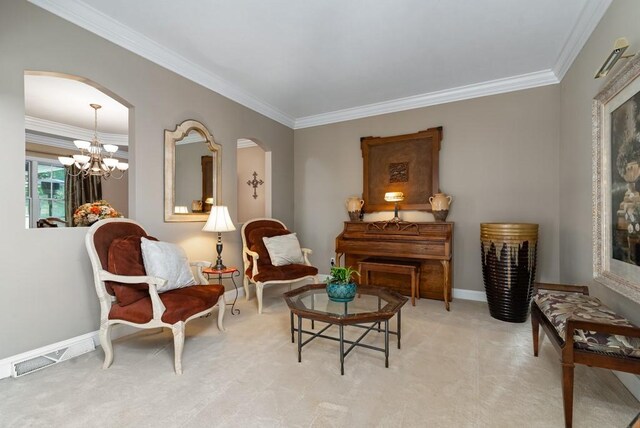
{"x":82,"y":145}
{"x":66,"y":161}
{"x":110,"y":162}
{"x":111,"y":148}
{"x":122,"y":166}
{"x":81,"y":159}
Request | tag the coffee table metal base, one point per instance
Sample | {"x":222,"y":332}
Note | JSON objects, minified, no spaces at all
{"x":367,"y":327}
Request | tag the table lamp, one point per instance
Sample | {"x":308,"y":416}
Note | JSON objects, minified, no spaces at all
{"x":394,"y":197}
{"x":219,"y":221}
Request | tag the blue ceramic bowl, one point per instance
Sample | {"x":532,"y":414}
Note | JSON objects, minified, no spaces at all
{"x":341,"y":292}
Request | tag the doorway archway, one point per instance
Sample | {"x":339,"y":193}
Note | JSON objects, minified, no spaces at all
{"x":254,"y":180}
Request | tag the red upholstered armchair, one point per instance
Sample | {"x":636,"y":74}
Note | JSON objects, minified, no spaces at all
{"x":257,"y":263}
{"x":128,"y":296}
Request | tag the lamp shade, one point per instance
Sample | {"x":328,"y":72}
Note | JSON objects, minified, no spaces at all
{"x":219,"y":220}
{"x":394,"y":196}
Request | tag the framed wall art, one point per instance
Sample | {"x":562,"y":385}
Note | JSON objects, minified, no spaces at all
{"x":402,"y":163}
{"x":616,"y":170}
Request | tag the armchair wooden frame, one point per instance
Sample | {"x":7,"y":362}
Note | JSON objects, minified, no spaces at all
{"x":570,"y":355}
{"x":248,"y":256}
{"x":101,"y":275}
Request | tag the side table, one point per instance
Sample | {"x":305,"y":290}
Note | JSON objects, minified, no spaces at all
{"x":228,"y":273}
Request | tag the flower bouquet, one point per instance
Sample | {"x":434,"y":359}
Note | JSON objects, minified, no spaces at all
{"x":91,"y":212}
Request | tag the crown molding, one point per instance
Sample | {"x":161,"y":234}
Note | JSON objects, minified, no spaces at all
{"x":592,"y":13}
{"x":63,"y":130}
{"x":106,"y":27}
{"x":51,"y":141}
{"x":244,"y":143}
{"x":492,"y":87}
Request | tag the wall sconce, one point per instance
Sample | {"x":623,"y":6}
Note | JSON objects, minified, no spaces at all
{"x":394,"y":197}
{"x":619,"y":47}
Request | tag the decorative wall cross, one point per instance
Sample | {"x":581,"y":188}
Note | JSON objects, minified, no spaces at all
{"x":255,"y":183}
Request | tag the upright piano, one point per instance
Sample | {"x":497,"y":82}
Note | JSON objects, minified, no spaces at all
{"x":431,"y":243}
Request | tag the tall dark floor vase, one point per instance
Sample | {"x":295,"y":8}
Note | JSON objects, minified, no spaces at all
{"x":509,"y":268}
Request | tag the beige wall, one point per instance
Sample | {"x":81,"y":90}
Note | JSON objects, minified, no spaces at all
{"x":47,"y":288}
{"x":250,"y":159}
{"x":577,"y":91}
{"x":499,"y":161}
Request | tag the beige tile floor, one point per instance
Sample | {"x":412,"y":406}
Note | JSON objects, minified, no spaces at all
{"x":456,"y":369}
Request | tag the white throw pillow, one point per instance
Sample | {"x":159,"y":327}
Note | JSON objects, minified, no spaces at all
{"x":166,"y":261}
{"x":284,"y":249}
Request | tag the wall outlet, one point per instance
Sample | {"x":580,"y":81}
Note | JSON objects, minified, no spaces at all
{"x":332,"y":261}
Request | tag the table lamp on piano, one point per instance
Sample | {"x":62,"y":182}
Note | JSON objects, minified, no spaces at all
{"x":394,"y":197}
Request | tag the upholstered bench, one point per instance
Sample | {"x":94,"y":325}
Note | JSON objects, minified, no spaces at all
{"x":584,"y":331}
{"x":402,"y":267}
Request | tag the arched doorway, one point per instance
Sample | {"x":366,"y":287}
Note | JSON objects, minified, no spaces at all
{"x":254,"y":180}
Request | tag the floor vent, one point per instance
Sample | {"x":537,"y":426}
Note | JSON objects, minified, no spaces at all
{"x":38,"y":362}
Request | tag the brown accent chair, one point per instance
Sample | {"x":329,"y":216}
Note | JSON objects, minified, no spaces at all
{"x":257,"y":264}
{"x":128,"y":296}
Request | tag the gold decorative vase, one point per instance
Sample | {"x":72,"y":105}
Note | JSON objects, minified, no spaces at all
{"x":509,"y":268}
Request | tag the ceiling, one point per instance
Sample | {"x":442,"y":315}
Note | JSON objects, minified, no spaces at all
{"x":66,"y":102}
{"x":305,"y":63}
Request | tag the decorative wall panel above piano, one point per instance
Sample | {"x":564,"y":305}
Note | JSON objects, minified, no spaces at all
{"x":402,"y":163}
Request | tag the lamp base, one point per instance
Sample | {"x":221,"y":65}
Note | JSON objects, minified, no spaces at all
{"x":219,"y":265}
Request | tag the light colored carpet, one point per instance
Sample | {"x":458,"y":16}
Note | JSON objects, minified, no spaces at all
{"x":461,"y":368}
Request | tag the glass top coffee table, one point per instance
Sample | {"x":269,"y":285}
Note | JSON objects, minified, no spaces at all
{"x":372,"y":307}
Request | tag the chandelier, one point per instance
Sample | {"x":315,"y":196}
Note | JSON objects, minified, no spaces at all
{"x":92,"y":160}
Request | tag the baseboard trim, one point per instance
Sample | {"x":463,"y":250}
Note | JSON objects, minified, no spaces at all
{"x":117,"y":332}
{"x":462,"y":294}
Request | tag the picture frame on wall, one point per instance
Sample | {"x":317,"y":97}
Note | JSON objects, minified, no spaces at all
{"x":406,"y":163}
{"x":616,"y":171}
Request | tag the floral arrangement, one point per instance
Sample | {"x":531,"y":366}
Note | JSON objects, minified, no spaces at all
{"x":88,"y":214}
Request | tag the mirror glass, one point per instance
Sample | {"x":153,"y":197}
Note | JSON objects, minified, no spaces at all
{"x":192,"y":172}
{"x":58,"y":112}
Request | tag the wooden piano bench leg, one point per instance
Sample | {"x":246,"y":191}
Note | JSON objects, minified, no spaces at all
{"x":445,"y":265}
{"x":413,"y":287}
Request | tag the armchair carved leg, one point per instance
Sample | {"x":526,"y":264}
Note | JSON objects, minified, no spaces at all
{"x":222,"y":305}
{"x":259,"y":288}
{"x":105,"y":342}
{"x":245,"y":283}
{"x":178,"y":344}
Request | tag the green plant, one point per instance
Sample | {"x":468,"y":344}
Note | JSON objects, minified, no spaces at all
{"x":342,"y":275}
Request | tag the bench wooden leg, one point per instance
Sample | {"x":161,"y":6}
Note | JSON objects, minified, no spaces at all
{"x":535,"y":330}
{"x":413,"y":288}
{"x":567,"y":393}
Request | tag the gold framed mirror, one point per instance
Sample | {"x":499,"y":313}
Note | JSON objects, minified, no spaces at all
{"x":192,"y":172}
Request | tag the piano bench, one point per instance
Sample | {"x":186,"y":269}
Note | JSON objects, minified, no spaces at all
{"x":401,"y":267}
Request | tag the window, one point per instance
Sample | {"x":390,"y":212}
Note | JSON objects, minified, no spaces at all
{"x":44,"y":182}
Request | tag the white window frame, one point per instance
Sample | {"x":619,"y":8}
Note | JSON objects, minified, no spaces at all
{"x":34,"y":197}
